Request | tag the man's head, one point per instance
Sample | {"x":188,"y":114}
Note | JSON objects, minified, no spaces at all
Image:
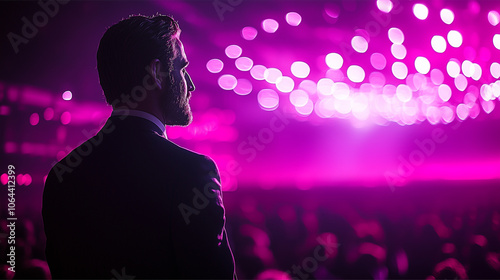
{"x":141,"y":64}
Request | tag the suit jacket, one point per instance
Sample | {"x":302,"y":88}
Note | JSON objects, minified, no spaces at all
{"x":128,"y":202}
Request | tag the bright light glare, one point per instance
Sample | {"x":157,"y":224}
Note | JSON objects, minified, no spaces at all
{"x":420,"y":11}
{"x":447,"y":16}
{"x":300,"y":69}
{"x":243,"y":63}
{"x":67,"y":95}
{"x":359,"y":44}
{"x":455,"y":38}
{"x":355,"y":73}
{"x":215,"y":65}
{"x":422,"y":65}
{"x":493,"y":18}
{"x":293,"y":18}
{"x":268,"y":99}
{"x":384,"y":5}
{"x":334,"y":60}
{"x":399,"y":70}
{"x":233,"y":51}
{"x":249,"y":33}
{"x":396,"y":36}
{"x":270,"y":25}
{"x":438,"y":44}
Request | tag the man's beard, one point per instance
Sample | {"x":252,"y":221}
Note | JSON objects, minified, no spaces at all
{"x":178,"y":111}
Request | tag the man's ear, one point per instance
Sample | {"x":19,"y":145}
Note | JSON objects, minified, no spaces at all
{"x":154,"y":70}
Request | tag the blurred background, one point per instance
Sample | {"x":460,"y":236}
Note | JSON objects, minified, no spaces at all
{"x":355,"y":138}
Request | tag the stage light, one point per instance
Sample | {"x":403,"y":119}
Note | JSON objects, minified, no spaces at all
{"x":447,"y":16}
{"x":453,"y":68}
{"x":300,"y":69}
{"x":438,"y":44}
{"x":325,"y":86}
{"x":496,"y":41}
{"x":437,"y":77}
{"x":377,"y":79}
{"x":398,"y":51}
{"x":272,"y":75}
{"x":396,"y":36}
{"x":227,"y":82}
{"x":243,"y":87}
{"x":403,"y":93}
{"x":48,"y":114}
{"x":285,"y":84}
{"x":268,"y":99}
{"x":444,"y":92}
{"x":257,"y":72}
{"x":399,"y":70}
{"x":455,"y":38}
{"x":462,"y":111}
{"x":215,"y":65}
{"x":233,"y":51}
{"x":299,"y":98}
{"x":341,"y":91}
{"x":378,"y":61}
{"x":270,"y":25}
{"x":294,"y":19}
{"x":243,"y":63}
{"x":384,"y":5}
{"x":249,"y":33}
{"x":334,"y":60}
{"x":461,"y":82}
{"x":493,"y":18}
{"x":359,"y":44}
{"x":355,"y":73}
{"x":34,"y":119}
{"x":495,"y":70}
{"x":67,"y":95}
{"x":421,"y":11}
{"x":65,"y":117}
{"x":422,"y":65}
{"x":305,"y":110}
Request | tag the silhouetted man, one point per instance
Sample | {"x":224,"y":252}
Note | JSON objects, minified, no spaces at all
{"x":128,"y":202}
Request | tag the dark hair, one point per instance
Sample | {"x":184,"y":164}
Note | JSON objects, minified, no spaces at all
{"x":128,"y":46}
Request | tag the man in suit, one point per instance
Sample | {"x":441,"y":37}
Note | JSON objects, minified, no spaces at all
{"x":128,"y":203}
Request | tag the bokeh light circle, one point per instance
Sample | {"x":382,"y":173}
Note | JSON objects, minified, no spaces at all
{"x":444,"y":92}
{"x":249,"y":33}
{"x":437,"y":77}
{"x":396,"y":35}
{"x":272,"y":75}
{"x":285,"y":84}
{"x":438,"y":44}
{"x":398,"y":51}
{"x":496,"y":41}
{"x":403,"y":93}
{"x":233,"y":51}
{"x":385,"y":5}
{"x":447,"y":16}
{"x":227,"y":82}
{"x":453,"y":68}
{"x":293,"y":18}
{"x":243,"y":87}
{"x":495,"y":70}
{"x":268,"y":99}
{"x":420,"y":11}
{"x":299,"y":98}
{"x":270,"y":25}
{"x":257,"y":72}
{"x":243,"y":63}
{"x":378,"y":61}
{"x":355,"y":73}
{"x":422,"y":65}
{"x":334,"y":60}
{"x":359,"y":44}
{"x":455,"y":38}
{"x":215,"y":65}
{"x":399,"y":70}
{"x":67,"y":95}
{"x":493,"y":18}
{"x":300,"y":69}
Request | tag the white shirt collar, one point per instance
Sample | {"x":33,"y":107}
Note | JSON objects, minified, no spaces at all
{"x":141,"y":114}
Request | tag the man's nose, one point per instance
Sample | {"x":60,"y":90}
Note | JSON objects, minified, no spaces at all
{"x":190,"y":83}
